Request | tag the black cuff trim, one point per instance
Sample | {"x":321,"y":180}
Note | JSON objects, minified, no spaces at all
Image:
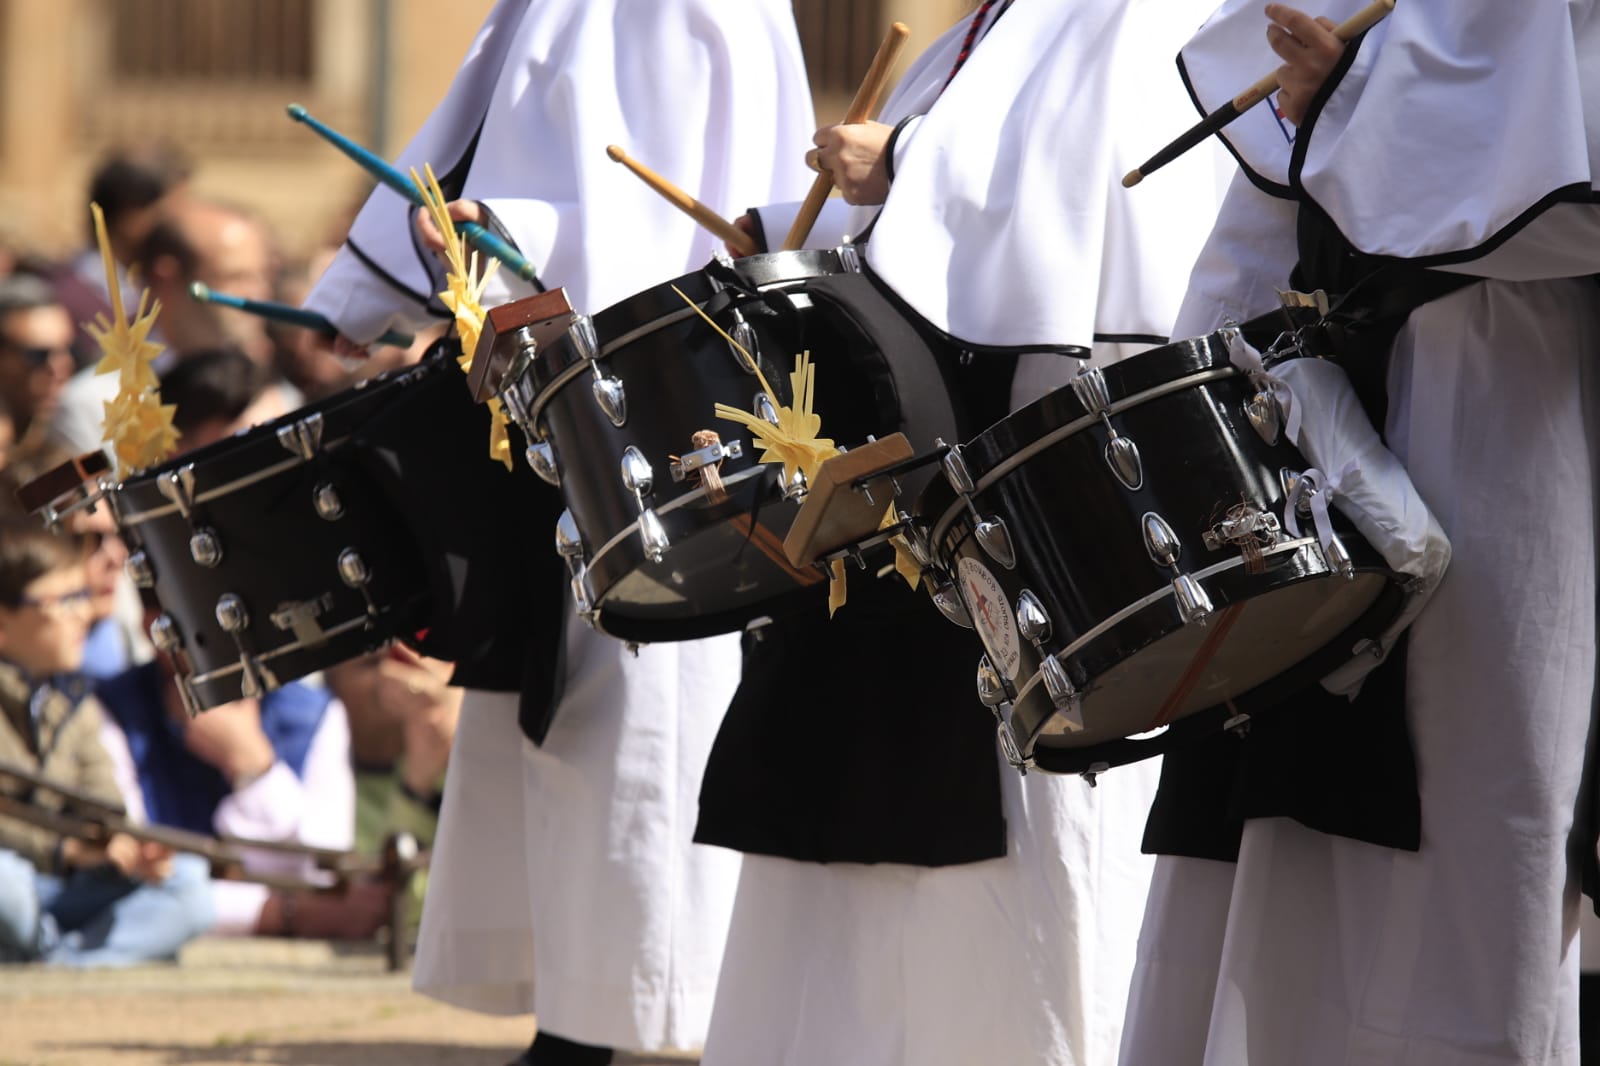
{"x":760,"y":235}
{"x":892,"y":142}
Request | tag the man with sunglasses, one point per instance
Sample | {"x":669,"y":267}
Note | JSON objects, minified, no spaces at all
{"x":35,"y":355}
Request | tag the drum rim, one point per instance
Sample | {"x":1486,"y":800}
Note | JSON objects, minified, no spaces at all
{"x":263,"y":436}
{"x":575,"y":364}
{"x":223,"y":672}
{"x":1071,"y":429}
{"x":1309,"y":545}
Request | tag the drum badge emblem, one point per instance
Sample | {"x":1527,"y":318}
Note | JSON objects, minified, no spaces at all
{"x":991,"y":614}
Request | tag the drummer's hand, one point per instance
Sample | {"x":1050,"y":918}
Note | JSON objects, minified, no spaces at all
{"x":854,"y":155}
{"x":460,"y":210}
{"x":745,"y":224}
{"x":347,"y":350}
{"x":1309,"y":51}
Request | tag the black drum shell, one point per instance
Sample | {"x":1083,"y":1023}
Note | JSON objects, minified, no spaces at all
{"x":256,"y":496}
{"x":1077,"y":533}
{"x":725,"y":566}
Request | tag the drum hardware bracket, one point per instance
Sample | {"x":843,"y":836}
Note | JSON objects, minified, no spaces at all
{"x":356,"y":574}
{"x":1063,"y":693}
{"x":1011,"y":750}
{"x":710,"y":455}
{"x":1194,"y":605}
{"x":569,"y":545}
{"x":1092,"y":774}
{"x":639,"y":478}
{"x":849,"y":258}
{"x":255,"y":680}
{"x":1250,"y":530}
{"x":205,"y":547}
{"x":947,"y":599}
{"x":1033,"y":622}
{"x":1121,"y":453}
{"x":139,"y":569}
{"x":993,"y":536}
{"x":326,"y":502}
{"x":1261,"y":411}
{"x":1238,"y":725}
{"x":795,"y":489}
{"x":746,"y":345}
{"x":186,"y":695}
{"x":300,"y":618}
{"x":611,"y":396}
{"x":178,"y":486}
{"x":302,"y":438}
{"x":541,"y":456}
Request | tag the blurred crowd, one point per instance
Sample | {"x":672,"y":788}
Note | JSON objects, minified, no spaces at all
{"x":335,"y":761}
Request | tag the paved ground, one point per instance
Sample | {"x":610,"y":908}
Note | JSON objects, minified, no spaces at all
{"x":283,"y":1003}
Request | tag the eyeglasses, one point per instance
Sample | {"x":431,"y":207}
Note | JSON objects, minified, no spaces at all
{"x":35,"y":357}
{"x":59,"y":606}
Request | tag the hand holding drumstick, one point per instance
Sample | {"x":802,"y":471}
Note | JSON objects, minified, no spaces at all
{"x":1309,"y":49}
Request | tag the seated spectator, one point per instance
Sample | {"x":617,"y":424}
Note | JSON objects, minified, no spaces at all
{"x":228,"y":250}
{"x":117,"y":638}
{"x":63,"y":900}
{"x":220,"y":391}
{"x":402,"y":724}
{"x":35,"y":356}
{"x":274,"y":769}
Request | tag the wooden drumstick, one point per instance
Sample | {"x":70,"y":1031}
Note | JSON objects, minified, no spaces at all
{"x":1351,"y":27}
{"x":737,"y":238}
{"x":862,"y":108}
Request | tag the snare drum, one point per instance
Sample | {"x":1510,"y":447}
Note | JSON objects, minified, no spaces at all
{"x":1122,"y":550}
{"x":615,"y":405}
{"x":273,"y":553}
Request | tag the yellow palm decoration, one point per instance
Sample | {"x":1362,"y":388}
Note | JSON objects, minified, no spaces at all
{"x":138,"y":426}
{"x":464,"y":297}
{"x":795,"y":443}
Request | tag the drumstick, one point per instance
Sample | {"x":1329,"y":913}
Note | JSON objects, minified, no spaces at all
{"x":294,"y":316}
{"x":379,"y":168}
{"x":740,"y":241}
{"x":1351,"y":27}
{"x":862,"y":108}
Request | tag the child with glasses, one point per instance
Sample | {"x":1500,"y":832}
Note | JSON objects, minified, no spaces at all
{"x":64,"y":900}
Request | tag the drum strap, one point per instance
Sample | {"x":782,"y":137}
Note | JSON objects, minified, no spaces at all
{"x":1376,"y":296}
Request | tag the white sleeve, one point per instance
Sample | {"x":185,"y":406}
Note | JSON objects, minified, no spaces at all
{"x":316,"y":808}
{"x":330,"y":785}
{"x":831,"y":229}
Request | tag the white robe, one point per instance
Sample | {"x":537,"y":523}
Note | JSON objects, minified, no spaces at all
{"x":584,"y":845}
{"x":1315,"y":949}
{"x":1024,"y":958}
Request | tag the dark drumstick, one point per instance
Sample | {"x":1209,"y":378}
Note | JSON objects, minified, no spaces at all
{"x":1353,"y":26}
